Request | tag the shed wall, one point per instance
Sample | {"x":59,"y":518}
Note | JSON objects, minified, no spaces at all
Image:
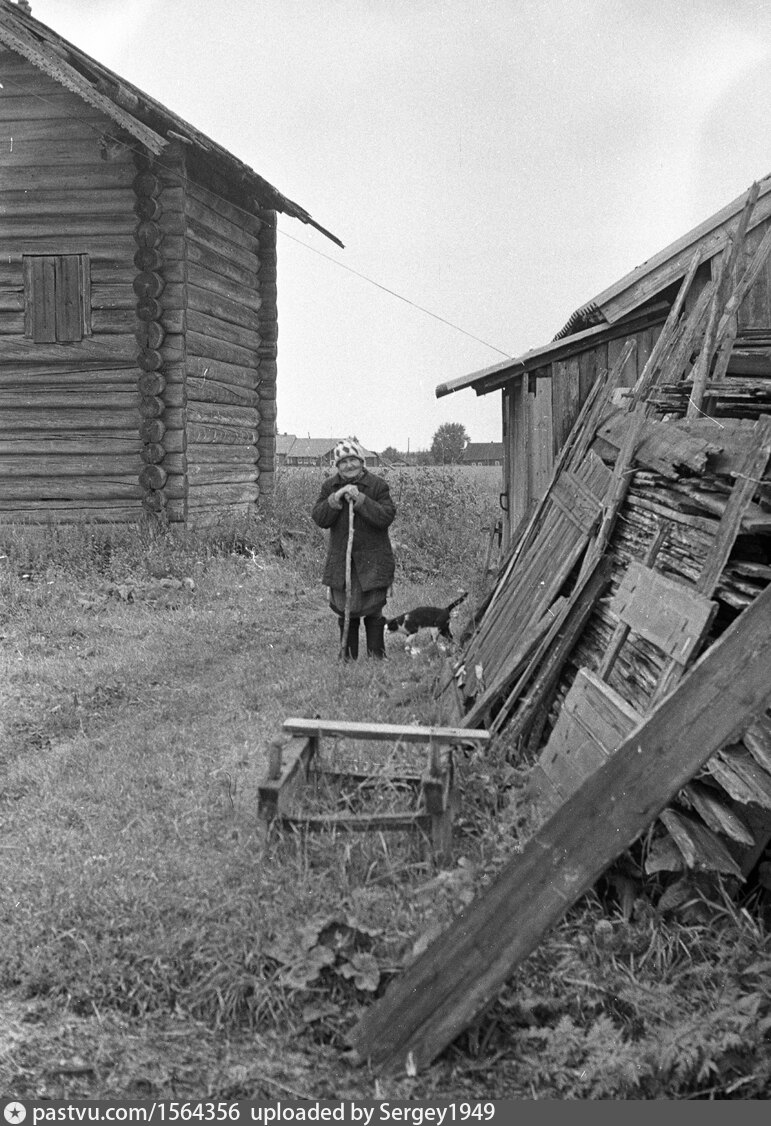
{"x":539,"y":410}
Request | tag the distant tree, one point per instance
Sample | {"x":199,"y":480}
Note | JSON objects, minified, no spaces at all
{"x":390,"y":454}
{"x":448,"y":443}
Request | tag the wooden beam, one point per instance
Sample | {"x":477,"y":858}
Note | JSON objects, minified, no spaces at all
{"x":346,"y":729}
{"x":461,"y":972}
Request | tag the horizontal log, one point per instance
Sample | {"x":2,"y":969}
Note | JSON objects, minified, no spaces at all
{"x":174,"y":321}
{"x":79,"y":177}
{"x":175,"y":463}
{"x":238,"y":216}
{"x":239,"y":254}
{"x":101,"y":247}
{"x":11,"y":301}
{"x":211,"y":286}
{"x":174,"y":418}
{"x":215,"y":328}
{"x":173,"y":348}
{"x":212,"y":391}
{"x":230,"y":230}
{"x":229,"y":308}
{"x":74,"y":418}
{"x":200,"y":452}
{"x":206,"y":515}
{"x":56,"y":375}
{"x":21,"y":204}
{"x":201,"y":345}
{"x":70,"y":512}
{"x":213,"y":414}
{"x":12,"y":323}
{"x":71,"y":465}
{"x":29,"y":227}
{"x":199,"y":494}
{"x":54,"y":153}
{"x":113,"y":296}
{"x":203,"y":367}
{"x":69,"y":488}
{"x":53,"y":400}
{"x":114,"y":322}
{"x":87,"y":445}
{"x":222,"y":435}
{"x":175,"y":441}
{"x":207,"y":473}
{"x":18,"y":106}
{"x":202,"y":256}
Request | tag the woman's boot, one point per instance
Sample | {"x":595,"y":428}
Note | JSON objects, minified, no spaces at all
{"x":375,"y":630}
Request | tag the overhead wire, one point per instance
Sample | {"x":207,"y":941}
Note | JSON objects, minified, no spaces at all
{"x":242,"y":210}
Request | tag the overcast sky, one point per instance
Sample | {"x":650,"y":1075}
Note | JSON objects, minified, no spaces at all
{"x":497,"y":162}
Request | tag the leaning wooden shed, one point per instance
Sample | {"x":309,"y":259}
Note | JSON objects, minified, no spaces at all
{"x":543,"y":390}
{"x":138,"y":307}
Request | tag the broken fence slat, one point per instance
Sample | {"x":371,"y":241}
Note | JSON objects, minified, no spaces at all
{"x":461,"y":972}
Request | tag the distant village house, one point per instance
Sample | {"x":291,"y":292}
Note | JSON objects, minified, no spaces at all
{"x":291,"y":450}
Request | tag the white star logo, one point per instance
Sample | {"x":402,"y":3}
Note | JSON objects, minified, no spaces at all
{"x":14,"y":1113}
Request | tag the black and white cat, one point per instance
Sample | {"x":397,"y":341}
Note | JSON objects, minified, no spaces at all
{"x":426,"y":617}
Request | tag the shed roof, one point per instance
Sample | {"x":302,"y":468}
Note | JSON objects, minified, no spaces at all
{"x":621,"y":304}
{"x":146,"y":120}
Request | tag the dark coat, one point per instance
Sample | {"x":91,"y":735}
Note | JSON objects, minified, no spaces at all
{"x":372,"y":555}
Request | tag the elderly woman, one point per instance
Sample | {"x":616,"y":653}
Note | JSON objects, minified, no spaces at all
{"x":372,"y":559}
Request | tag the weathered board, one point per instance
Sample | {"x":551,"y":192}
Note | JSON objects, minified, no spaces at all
{"x":592,"y":723}
{"x":670,"y":615}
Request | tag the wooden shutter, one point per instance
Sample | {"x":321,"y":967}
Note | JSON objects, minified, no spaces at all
{"x":57,"y":297}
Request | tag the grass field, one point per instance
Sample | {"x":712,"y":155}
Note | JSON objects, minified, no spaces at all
{"x":153,"y":946}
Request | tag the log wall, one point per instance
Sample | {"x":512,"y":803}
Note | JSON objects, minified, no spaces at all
{"x":69,"y":412}
{"x":228,"y":352}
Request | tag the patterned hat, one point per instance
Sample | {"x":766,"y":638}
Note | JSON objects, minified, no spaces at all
{"x":349,"y":447}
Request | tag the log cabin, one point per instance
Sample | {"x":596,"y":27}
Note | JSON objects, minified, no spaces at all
{"x":543,"y":390}
{"x":138,"y":300}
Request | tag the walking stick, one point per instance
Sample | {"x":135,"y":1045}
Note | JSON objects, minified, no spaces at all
{"x":348,"y":555}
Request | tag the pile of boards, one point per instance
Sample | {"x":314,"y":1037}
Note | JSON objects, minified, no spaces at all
{"x":624,"y":656}
{"x":652,"y":537}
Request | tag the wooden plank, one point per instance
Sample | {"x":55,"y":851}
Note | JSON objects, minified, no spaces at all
{"x":458,"y":975}
{"x":547,"y":663}
{"x":668,"y":614}
{"x":345,"y":729}
{"x":740,"y":775}
{"x":577,"y":502}
{"x":565,"y":399}
{"x":746,"y":483}
{"x":541,"y":437}
{"x":698,"y":845}
{"x":357,"y":822}
{"x":593,"y":721}
{"x":716,"y":814}
{"x":621,"y":632}
{"x":757,"y":740}
{"x":287,"y":774}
